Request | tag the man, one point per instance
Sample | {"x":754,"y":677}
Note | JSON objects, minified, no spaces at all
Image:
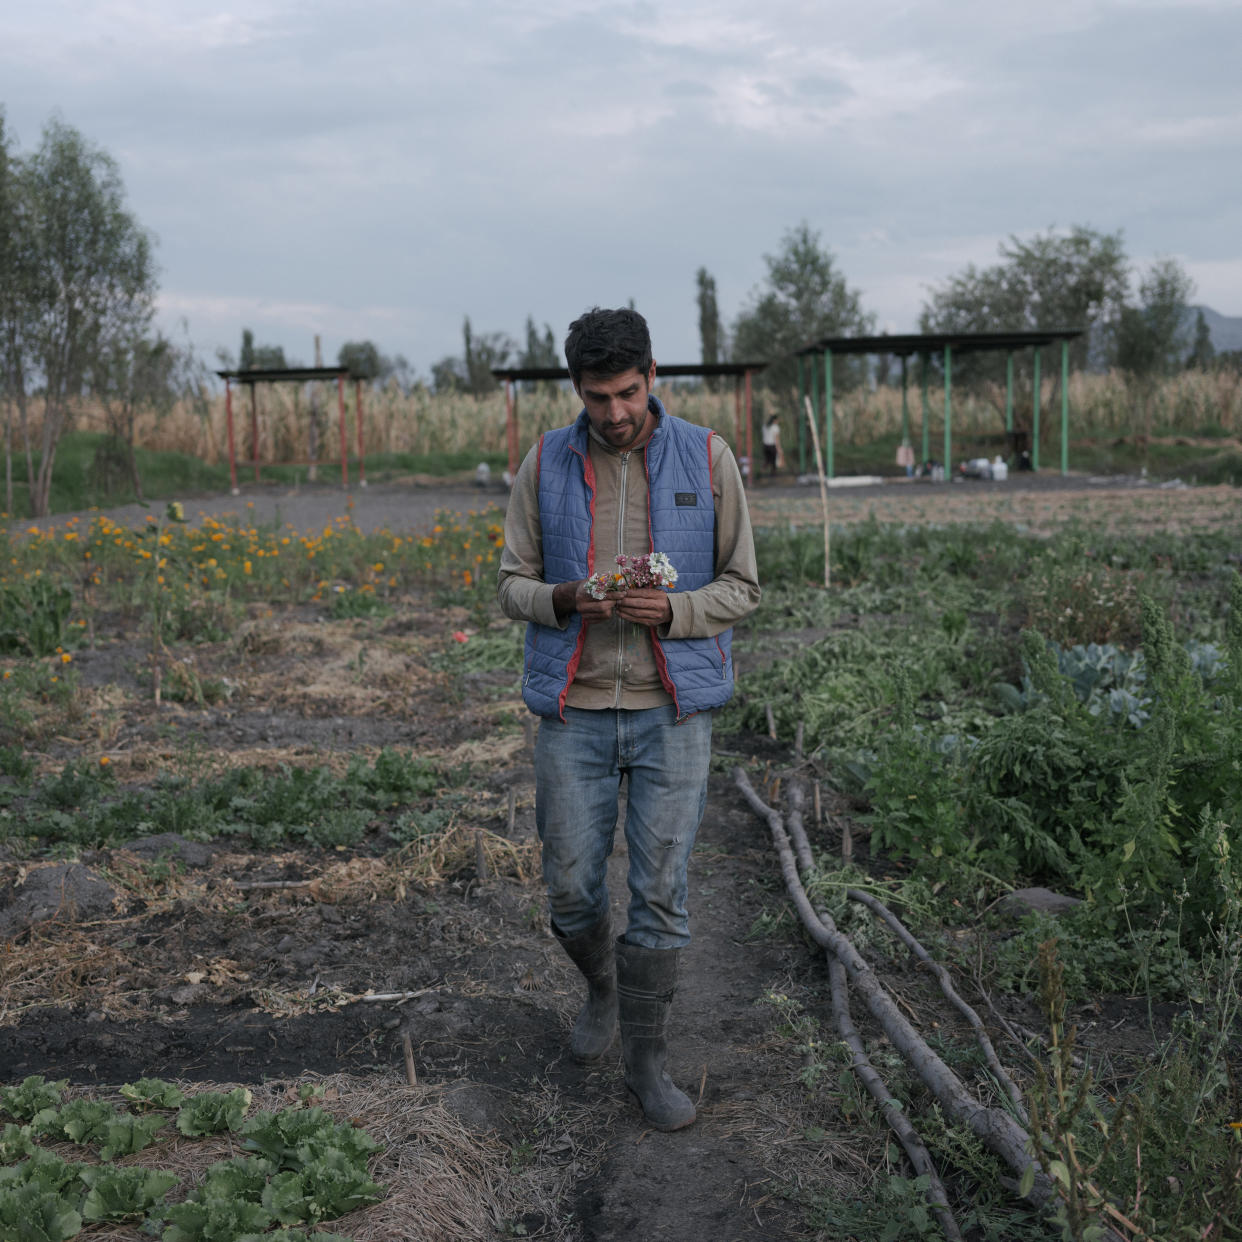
{"x":772,"y":444}
{"x":625,"y":685}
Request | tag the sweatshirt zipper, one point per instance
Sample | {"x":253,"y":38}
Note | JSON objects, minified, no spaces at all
{"x":625,"y":466}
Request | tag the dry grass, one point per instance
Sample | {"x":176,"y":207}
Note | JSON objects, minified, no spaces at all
{"x":442,"y":1179}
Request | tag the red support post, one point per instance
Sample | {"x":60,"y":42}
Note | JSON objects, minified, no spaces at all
{"x":750,"y":430}
{"x":737,"y":416}
{"x":362,"y":470}
{"x":228,"y":418}
{"x":340,"y":411}
{"x":511,"y":427}
{"x":254,"y":430}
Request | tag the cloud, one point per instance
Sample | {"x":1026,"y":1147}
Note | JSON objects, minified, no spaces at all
{"x":1197,"y":130}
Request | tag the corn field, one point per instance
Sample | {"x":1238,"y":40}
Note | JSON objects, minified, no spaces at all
{"x":420,"y":422}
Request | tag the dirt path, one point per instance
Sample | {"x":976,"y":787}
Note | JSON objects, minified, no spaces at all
{"x":1036,"y":501}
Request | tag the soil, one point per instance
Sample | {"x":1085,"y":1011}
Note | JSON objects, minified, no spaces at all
{"x":230,"y":967}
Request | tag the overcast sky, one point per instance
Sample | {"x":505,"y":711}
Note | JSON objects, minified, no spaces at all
{"x":380,"y":169}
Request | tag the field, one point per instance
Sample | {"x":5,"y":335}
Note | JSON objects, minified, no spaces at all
{"x":1188,"y":426}
{"x":266,"y":814}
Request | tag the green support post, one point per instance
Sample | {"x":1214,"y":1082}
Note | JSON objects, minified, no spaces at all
{"x":948,"y":413}
{"x":814,"y":369}
{"x":905,"y":405}
{"x":828,"y":412}
{"x":1035,"y":415}
{"x":1009,"y":393}
{"x":1064,"y":406}
{"x":801,"y":417}
{"x":926,"y":415}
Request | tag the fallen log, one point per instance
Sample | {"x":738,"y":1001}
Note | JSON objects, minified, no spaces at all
{"x":997,"y":1130}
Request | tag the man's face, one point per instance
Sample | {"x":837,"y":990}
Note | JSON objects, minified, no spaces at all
{"x":617,"y":406}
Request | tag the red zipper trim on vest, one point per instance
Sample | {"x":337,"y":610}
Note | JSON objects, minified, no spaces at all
{"x":588,"y":477}
{"x":657,"y":650}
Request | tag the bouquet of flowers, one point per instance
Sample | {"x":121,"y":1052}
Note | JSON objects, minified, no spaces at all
{"x":652,"y":570}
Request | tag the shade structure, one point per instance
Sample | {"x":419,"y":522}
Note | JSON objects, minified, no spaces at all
{"x":255,"y":376}
{"x":946,"y":345}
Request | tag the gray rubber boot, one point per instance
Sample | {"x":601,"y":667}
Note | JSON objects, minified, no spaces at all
{"x":646,"y":981}
{"x":592,"y":953}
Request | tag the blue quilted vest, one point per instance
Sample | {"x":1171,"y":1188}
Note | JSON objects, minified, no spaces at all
{"x":697,"y":672}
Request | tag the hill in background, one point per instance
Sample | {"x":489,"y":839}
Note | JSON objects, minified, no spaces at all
{"x":1226,"y":330}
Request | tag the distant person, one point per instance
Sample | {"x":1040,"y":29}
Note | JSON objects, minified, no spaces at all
{"x":625,"y":681}
{"x":905,"y":458}
{"x":772,"y":443}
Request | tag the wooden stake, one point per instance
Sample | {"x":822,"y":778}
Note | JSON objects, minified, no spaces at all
{"x":767,"y":707}
{"x":819,"y":812}
{"x":847,"y":841}
{"x":410,"y":1076}
{"x":512,"y":809}
{"x":480,"y":857}
{"x":823,"y":490}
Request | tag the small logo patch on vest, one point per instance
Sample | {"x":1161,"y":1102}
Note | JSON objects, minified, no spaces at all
{"x":686,"y":500}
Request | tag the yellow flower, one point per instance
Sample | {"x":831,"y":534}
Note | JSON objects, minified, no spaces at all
{"x":104,"y":761}
{"x":65,"y":657}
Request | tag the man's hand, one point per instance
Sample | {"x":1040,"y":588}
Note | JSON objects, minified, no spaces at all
{"x":570,"y":597}
{"x":645,"y":606}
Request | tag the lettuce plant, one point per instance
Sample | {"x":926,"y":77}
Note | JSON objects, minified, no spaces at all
{"x":117,"y":1194}
{"x":209,"y":1112}
{"x":32,"y":1095}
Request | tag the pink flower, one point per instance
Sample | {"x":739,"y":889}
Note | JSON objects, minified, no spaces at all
{"x":460,"y":636}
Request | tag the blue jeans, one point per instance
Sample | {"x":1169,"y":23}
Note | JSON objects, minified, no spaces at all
{"x":578,"y":771}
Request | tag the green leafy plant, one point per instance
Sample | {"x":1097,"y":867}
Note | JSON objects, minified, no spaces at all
{"x":214,"y":1220}
{"x":294,"y":1138}
{"x":15,"y":1143}
{"x":126,"y":1134}
{"x":121,"y":1193}
{"x":325,"y":1188}
{"x":242,"y":1177}
{"x":148,"y":1093}
{"x":32,"y":1095}
{"x":34,"y":616}
{"x":80,"y":1121}
{"x":30,"y":1213}
{"x":44,"y":1169}
{"x":209,"y":1112}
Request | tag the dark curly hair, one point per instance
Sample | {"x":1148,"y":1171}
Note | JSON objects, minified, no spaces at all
{"x":608,"y":342}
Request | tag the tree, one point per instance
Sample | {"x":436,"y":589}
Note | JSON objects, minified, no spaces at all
{"x":361,"y":359}
{"x":480,"y":355}
{"x":1153,"y":338}
{"x":92,"y":280}
{"x":803,"y":298}
{"x":135,"y":376}
{"x":447,"y":375}
{"x":709,"y":321}
{"x":260,"y":357}
{"x":1074,"y":280}
{"x":540,"y":351}
{"x":1202,"y":352}
{"x":14,"y":277}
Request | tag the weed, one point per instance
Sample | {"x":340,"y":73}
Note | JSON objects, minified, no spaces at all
{"x":34,"y":616}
